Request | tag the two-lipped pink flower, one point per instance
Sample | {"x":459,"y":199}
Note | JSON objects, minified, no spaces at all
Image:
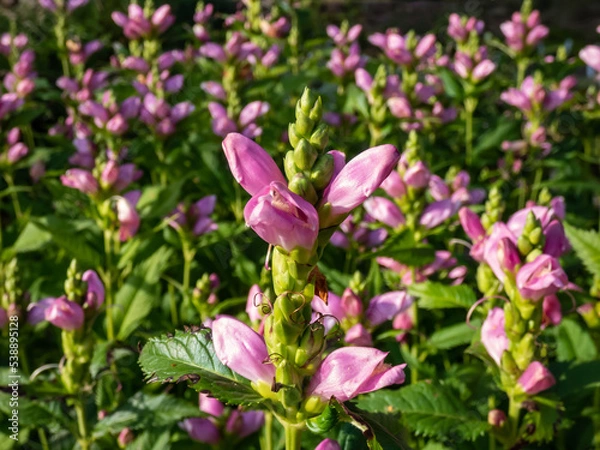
{"x":536,"y":378}
{"x":136,"y":25}
{"x":94,"y":297}
{"x":524,"y":32}
{"x":222,"y":124}
{"x":460,"y":28}
{"x":129,"y":219}
{"x":351,"y":371}
{"x":64,"y":314}
{"x":541,"y":277}
{"x":196,"y":217}
{"x":493,"y":334}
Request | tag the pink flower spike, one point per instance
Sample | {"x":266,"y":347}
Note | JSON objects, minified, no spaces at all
{"x":65,"y":314}
{"x":348,"y":372}
{"x":251,"y":166}
{"x":493,"y":334}
{"x":282,"y":218}
{"x":241,"y":349}
{"x":536,"y":378}
{"x":357,"y":181}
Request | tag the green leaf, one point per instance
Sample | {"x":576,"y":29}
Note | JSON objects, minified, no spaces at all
{"x":574,"y":343}
{"x":404,"y":249}
{"x":493,"y":138}
{"x":439,"y":296}
{"x":578,"y":378}
{"x":153,"y":439}
{"x":72,"y":236}
{"x":191,"y":356}
{"x":430,"y":410}
{"x":452,"y":87}
{"x":32,"y":238}
{"x":543,"y":420}
{"x":586,"y":244}
{"x":159,"y":201}
{"x":452,"y":336}
{"x":135,"y":299}
{"x":146,"y":411}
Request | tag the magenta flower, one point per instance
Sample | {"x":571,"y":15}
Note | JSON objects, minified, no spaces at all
{"x":81,"y":180}
{"x":348,"y":306}
{"x":282,"y":218}
{"x":197,"y":217}
{"x":254,"y":302}
{"x":136,"y":25}
{"x":552,"y":310}
{"x":201,"y":430}
{"x":385,"y":211}
{"x":210,"y":405}
{"x":341,"y":38}
{"x":438,"y":212}
{"x":251,"y":166}
{"x":65,"y":314}
{"x":94,"y":297}
{"x":241,"y":349}
{"x":128,"y":217}
{"x":328,"y":444}
{"x":356,"y":182}
{"x":386,"y":306}
{"x":341,"y":63}
{"x":242,"y":424}
{"x":3,"y":318}
{"x":417,"y":175}
{"x":222,"y":124}
{"x":493,"y":334}
{"x":542,"y":277}
{"x":524,"y":33}
{"x":36,"y":312}
{"x":351,"y":371}
{"x":459,"y":28}
{"x":491,"y":254}
{"x":536,"y":378}
{"x":358,"y":335}
{"x":590,"y":54}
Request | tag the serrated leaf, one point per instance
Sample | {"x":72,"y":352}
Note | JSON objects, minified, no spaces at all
{"x":430,"y":410}
{"x":586,"y":244}
{"x":574,"y":343}
{"x":191,"y":356}
{"x":135,"y":299}
{"x":32,"y":238}
{"x":439,"y":296}
{"x":543,"y":421}
{"x":146,"y":411}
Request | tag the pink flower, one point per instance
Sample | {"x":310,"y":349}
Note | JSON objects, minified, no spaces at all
{"x":282,"y":218}
{"x":36,"y":312}
{"x":81,"y":180}
{"x":242,"y":424}
{"x":542,"y":277}
{"x":351,"y":371}
{"x":94,"y":297}
{"x":536,"y":378}
{"x":356,"y":182}
{"x":65,"y":314}
{"x":128,"y":217}
{"x":491,"y":254}
{"x":552,"y":310}
{"x":386,"y":306}
{"x":358,"y":335}
{"x":417,"y":175}
{"x":201,"y":430}
{"x":251,"y":166}
{"x":210,"y":405}
{"x":253,"y":303}
{"x":437,"y":212}
{"x":590,"y":54}
{"x":385,"y":211}
{"x":328,"y":444}
{"x":493,"y":334}
{"x":241,"y":349}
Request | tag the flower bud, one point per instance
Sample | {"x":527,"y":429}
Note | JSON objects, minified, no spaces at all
{"x":508,"y":255}
{"x":322,"y":171}
{"x":496,"y":418}
{"x":126,"y":436}
{"x":300,"y":185}
{"x":493,"y":334}
{"x":417,"y":175}
{"x":320,"y":136}
{"x":305,"y":155}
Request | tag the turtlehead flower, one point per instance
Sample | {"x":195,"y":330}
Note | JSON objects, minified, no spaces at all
{"x":64,"y":314}
{"x":351,"y":371}
{"x":328,"y":444}
{"x":80,"y":179}
{"x":460,"y":28}
{"x":386,"y":306}
{"x":222,"y":124}
{"x":94,"y":298}
{"x":201,"y":430}
{"x":536,"y":378}
{"x":523,"y":33}
{"x":241,"y":349}
{"x":282,"y":218}
{"x":196,"y":217}
{"x":493,"y":334}
{"x":542,"y":277}
{"x":129,"y":220}
{"x":136,"y":25}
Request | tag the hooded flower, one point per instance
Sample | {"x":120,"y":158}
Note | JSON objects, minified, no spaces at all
{"x":542,"y":277}
{"x":241,"y":349}
{"x":351,"y":371}
{"x":282,"y":218}
{"x":536,"y":378}
{"x":493,"y":334}
{"x":356,"y":182}
{"x":94,"y":297}
{"x":65,"y":314}
{"x":251,"y":166}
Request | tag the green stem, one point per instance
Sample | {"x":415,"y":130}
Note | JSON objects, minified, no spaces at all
{"x":13,"y":195}
{"x":470,"y":105}
{"x":521,"y":68}
{"x":59,"y":31}
{"x":173,"y":305}
{"x":539,"y":172}
{"x":514,"y":410}
{"x":414,"y":373}
{"x":43,"y":438}
{"x":266,"y":442}
{"x":292,"y":436}
{"x":82,"y":425}
{"x":110,"y":328}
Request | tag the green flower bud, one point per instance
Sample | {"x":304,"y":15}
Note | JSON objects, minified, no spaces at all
{"x":289,"y":166}
{"x":322,"y":170}
{"x":524,"y":351}
{"x":536,"y":236}
{"x":524,"y":245}
{"x":305,"y":155}
{"x":311,"y":344}
{"x":304,"y":124}
{"x":324,"y":422}
{"x":292,"y":135}
{"x":316,"y":113}
{"x":300,"y":185}
{"x":508,"y":364}
{"x":307,"y":100}
{"x":320,"y":136}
